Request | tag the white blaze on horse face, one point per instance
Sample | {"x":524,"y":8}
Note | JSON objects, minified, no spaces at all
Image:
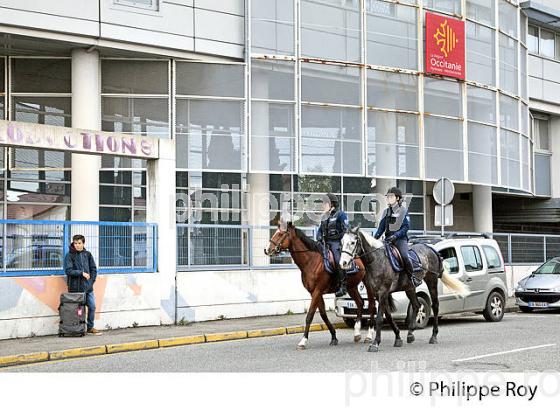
{"x":347,"y":246}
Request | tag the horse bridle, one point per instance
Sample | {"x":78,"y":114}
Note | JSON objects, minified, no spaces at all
{"x":278,"y":246}
{"x":354,"y":254}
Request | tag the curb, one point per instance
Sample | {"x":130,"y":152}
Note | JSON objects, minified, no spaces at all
{"x":29,"y":358}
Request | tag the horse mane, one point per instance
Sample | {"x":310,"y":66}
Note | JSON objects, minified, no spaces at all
{"x":371,"y":241}
{"x":307,"y":241}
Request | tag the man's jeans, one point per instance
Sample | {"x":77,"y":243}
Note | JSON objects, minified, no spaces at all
{"x":90,"y":303}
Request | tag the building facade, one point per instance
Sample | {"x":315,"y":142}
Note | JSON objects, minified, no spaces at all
{"x":270,"y":104}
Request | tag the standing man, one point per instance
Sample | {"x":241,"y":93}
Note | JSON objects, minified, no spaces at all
{"x":334,"y":223}
{"x":395,"y":224}
{"x":80,"y":268}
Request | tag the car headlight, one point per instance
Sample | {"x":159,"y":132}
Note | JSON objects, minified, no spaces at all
{"x":556,"y":289}
{"x":519,"y":288}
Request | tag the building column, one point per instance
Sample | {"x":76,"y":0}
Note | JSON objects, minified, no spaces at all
{"x":160,"y":209}
{"x":482,"y":209}
{"x":86,"y":113}
{"x":258,"y":184}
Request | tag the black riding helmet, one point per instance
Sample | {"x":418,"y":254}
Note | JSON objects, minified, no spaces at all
{"x":396,"y":191}
{"x":332,"y":199}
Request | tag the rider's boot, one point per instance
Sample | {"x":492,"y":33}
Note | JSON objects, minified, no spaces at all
{"x":342,"y":284}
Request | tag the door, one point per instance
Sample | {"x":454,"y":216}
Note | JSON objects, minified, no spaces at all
{"x":475,"y":277}
{"x":448,"y":302}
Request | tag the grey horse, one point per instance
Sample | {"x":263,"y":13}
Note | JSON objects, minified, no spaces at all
{"x":384,"y":280}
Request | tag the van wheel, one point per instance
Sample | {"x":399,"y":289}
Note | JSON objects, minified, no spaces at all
{"x":424,"y":312}
{"x":495,"y":307}
{"x":525,"y":309}
{"x":349,"y":322}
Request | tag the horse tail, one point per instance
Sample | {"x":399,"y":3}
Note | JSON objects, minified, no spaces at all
{"x":458,"y":287}
{"x":391,"y":304}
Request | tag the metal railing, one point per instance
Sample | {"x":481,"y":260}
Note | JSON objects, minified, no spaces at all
{"x":201,"y":247}
{"x":38,"y":247}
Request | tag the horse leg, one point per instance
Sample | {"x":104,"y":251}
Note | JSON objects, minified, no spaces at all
{"x":398,"y":340}
{"x":372,"y":311}
{"x":432,"y":286}
{"x":411,"y":294}
{"x":355,"y":295}
{"x":374,"y":347}
{"x":309,"y":318}
{"x":323,"y":313}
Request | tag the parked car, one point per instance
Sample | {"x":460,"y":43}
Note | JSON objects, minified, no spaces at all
{"x":541,"y":289}
{"x":37,"y":256}
{"x":475,"y":260}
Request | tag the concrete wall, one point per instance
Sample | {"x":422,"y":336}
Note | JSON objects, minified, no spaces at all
{"x":203,"y":26}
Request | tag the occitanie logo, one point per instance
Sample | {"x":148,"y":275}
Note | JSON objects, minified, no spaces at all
{"x":446,"y":38}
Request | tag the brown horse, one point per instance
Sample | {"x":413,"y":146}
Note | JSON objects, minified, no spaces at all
{"x":307,"y":255}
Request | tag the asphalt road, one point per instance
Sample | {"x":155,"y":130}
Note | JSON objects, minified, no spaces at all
{"x":518,"y":343}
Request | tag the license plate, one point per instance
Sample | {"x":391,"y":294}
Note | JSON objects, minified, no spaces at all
{"x":538,"y":304}
{"x":350,"y":304}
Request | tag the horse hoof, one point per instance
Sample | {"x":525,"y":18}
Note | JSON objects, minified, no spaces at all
{"x":373,"y":348}
{"x":333,"y":342}
{"x":301,"y":347}
{"x":398,"y":342}
{"x":433,"y":341}
{"x":368,"y":340}
{"x":357,"y":338}
{"x":410,"y":339}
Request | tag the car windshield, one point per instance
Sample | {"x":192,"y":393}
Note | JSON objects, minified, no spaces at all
{"x":550,"y":267}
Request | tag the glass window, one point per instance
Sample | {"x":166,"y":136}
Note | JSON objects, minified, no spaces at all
{"x":330,"y":29}
{"x":471,"y":258}
{"x":542,"y":174}
{"x":523,"y":71}
{"x":481,"y":10}
{"x":442,"y":97}
{"x":272,"y":27}
{"x":524,"y":163}
{"x":272,"y":80}
{"x":509,"y":116}
{"x":510,"y":159}
{"x":41,"y":75}
{"x":331,"y":140}
{"x":141,"y":116}
{"x":481,"y":104}
{"x":541,"y":137}
{"x":533,"y":39}
{"x":330,"y":83}
{"x":392,"y":90}
{"x":393,"y":144}
{"x":450,"y":6}
{"x":524,"y":119}
{"x":450,"y":258}
{"x":507,"y":18}
{"x":207,"y":79}
{"x":481,"y":54}
{"x":210,"y":134}
{"x":557,"y":47}
{"x":523,"y":27}
{"x":492,"y":257}
{"x":483,"y":149}
{"x":272,"y":132}
{"x":43,"y":110}
{"x":508,"y":64}
{"x":143,"y":4}
{"x":134,"y":77}
{"x":444,"y":148}
{"x":392,"y":35}
{"x":547,"y":43}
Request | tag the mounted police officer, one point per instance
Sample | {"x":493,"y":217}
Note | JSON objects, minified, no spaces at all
{"x":395,"y":224}
{"x":334,"y":222}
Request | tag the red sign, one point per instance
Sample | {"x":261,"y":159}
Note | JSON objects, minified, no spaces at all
{"x":445,"y":46}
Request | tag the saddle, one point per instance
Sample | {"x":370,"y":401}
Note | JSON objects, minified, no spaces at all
{"x":396,"y":259}
{"x":329,"y":263}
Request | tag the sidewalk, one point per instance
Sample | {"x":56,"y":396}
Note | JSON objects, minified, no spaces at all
{"x":36,"y":349}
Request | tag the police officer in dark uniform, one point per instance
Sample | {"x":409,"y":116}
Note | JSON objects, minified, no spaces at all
{"x":395,"y":224}
{"x":334,"y":223}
